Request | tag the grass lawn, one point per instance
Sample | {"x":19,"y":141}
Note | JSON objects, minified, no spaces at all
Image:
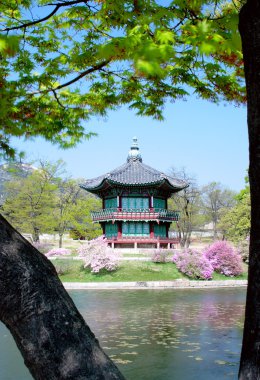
{"x":73,"y":271}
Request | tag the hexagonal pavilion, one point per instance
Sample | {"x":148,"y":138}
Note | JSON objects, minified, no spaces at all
{"x":134,"y":212}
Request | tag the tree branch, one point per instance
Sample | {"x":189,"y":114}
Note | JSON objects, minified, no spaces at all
{"x":81,"y":75}
{"x":58,"y":100}
{"x":31,"y":23}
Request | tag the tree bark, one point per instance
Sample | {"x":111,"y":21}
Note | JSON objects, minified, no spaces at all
{"x":249,"y":27}
{"x":52,"y":336}
{"x":35,"y":235}
{"x":60,"y":240}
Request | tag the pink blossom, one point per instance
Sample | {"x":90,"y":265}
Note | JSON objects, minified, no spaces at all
{"x":193,"y":263}
{"x":159,"y":256}
{"x":224,"y":258}
{"x":98,"y":256}
{"x":58,"y":252}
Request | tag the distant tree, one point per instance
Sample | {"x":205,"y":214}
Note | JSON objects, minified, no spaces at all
{"x":65,"y":199}
{"x":235,"y":223}
{"x":81,"y":221}
{"x":10,"y":171}
{"x":43,"y":201}
{"x":216,"y":199}
{"x":187,"y":202}
{"x":30,"y":201}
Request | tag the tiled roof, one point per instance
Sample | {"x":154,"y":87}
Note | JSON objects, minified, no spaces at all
{"x":134,"y":173}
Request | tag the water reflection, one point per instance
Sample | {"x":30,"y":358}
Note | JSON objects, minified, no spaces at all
{"x":159,"y":334}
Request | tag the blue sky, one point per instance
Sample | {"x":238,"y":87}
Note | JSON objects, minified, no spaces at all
{"x":209,"y":140}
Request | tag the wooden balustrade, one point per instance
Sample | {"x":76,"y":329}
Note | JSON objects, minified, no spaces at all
{"x":135,"y":215}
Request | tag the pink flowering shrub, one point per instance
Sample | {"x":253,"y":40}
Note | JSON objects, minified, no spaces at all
{"x":58,"y":252}
{"x":98,"y":256}
{"x":159,"y":256}
{"x":224,"y":258}
{"x":193,"y":263}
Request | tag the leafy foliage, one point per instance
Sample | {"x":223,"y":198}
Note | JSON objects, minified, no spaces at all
{"x":80,"y":217}
{"x":30,"y":201}
{"x":224,"y":258}
{"x":193,"y":263}
{"x":66,"y":197}
{"x":43,"y":201}
{"x":98,"y":256}
{"x":235,"y":223}
{"x":80,"y":59}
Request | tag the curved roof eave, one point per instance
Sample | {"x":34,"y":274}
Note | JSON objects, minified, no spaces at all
{"x":134,"y":173}
{"x":110,"y":182}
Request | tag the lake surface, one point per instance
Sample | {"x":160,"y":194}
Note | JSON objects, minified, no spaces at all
{"x":156,"y":334}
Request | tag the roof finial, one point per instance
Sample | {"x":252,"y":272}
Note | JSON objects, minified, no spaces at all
{"x":134,"y":154}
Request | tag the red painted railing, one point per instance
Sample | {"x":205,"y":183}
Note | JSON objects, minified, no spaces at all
{"x":157,"y":241}
{"x":111,"y":214}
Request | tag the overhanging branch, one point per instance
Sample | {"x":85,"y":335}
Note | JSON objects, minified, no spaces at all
{"x":81,"y":75}
{"x":31,"y":23}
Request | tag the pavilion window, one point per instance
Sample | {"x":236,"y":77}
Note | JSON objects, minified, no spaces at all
{"x":135,"y":203}
{"x":111,"y":203}
{"x":159,"y":203}
{"x":111,"y":230}
{"x":160,"y":230}
{"x":135,"y":229}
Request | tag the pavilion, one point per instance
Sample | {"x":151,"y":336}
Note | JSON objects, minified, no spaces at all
{"x":134,"y":196}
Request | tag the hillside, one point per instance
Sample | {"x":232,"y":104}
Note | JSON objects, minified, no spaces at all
{"x":9,"y":171}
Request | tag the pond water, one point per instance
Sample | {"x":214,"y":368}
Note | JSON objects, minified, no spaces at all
{"x":156,"y":334}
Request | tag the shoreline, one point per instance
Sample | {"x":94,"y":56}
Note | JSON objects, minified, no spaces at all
{"x":175,"y":284}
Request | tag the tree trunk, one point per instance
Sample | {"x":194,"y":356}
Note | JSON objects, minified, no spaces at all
{"x":51,"y":334}
{"x":60,"y":240}
{"x":35,"y":235}
{"x":215,"y":233}
{"x":249,"y":27}
{"x":179,"y":234}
